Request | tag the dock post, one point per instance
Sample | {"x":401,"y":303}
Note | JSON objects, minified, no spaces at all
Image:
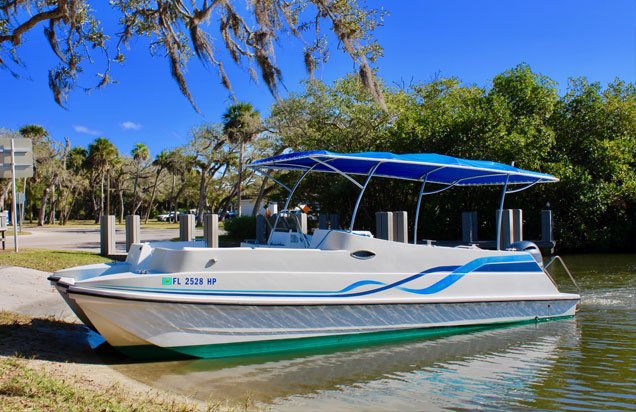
{"x":400,"y":227}
{"x":323,"y":221}
{"x":186,"y":227}
{"x":261,"y":229}
{"x":303,"y":223}
{"x":211,"y":229}
{"x":107,"y":235}
{"x":384,"y":225}
{"x":469,"y":227}
{"x":133,"y":230}
{"x":547,"y":233}
{"x":333,"y":221}
{"x":517,"y":225}
{"x":507,"y":229}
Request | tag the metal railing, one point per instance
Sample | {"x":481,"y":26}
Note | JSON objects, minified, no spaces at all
{"x":558,"y":259}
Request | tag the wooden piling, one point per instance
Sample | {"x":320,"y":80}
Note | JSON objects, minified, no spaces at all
{"x":133,"y":230}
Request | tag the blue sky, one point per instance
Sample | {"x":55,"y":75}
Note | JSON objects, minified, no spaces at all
{"x":422,"y":40}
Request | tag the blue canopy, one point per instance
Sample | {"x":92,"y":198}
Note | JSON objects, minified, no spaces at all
{"x":433,"y":168}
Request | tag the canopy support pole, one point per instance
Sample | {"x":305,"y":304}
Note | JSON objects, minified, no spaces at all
{"x":340,"y":172}
{"x":417,"y":209}
{"x":362,"y":189}
{"x":501,"y":203}
{"x":269,"y":176}
{"x":291,"y":193}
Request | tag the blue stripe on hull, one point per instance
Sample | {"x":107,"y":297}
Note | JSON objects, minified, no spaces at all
{"x":508,"y":263}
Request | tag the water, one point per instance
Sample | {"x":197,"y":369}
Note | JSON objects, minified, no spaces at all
{"x":584,"y":363}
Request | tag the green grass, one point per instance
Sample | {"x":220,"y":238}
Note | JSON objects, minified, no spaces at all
{"x":10,"y":232}
{"x":49,"y":260}
{"x":26,"y":388}
{"x":152,"y":224}
{"x":26,"y":385}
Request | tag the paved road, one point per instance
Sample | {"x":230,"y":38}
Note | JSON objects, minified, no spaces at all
{"x":31,"y":294}
{"x":77,"y":238}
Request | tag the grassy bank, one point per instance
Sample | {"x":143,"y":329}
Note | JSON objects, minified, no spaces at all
{"x":10,"y":232}
{"x":49,"y":260}
{"x":30,"y":388}
{"x":47,"y":365}
{"x":90,"y":224}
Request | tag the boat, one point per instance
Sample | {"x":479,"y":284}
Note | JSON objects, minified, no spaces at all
{"x":331,"y":287}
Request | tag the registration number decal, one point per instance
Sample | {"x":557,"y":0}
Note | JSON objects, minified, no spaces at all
{"x":188,"y":281}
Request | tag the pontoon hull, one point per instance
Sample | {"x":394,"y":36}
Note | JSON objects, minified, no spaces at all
{"x":214,"y":302}
{"x":209,"y":330}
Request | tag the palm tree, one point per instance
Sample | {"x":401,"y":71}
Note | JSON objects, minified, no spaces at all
{"x":74,"y":181}
{"x":242,"y":124}
{"x":41,"y":160}
{"x":161,"y":162}
{"x":101,"y":156}
{"x":140,"y":154}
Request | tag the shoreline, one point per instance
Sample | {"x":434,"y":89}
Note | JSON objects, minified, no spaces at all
{"x":40,"y":334}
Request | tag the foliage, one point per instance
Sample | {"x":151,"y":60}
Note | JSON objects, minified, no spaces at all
{"x":71,"y":30}
{"x":248,"y":31}
{"x":241,"y":124}
{"x":241,"y":227}
{"x":586,"y":137}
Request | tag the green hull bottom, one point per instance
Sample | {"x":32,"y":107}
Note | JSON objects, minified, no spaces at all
{"x":225,"y":350}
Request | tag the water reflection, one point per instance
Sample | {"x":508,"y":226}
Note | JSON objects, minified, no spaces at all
{"x":468,"y":365}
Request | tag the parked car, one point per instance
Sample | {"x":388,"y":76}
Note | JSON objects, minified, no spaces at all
{"x":229,"y":215}
{"x":166,"y":217}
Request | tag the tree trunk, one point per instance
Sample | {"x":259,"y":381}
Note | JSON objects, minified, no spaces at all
{"x":152,"y":196}
{"x":108,"y":194}
{"x":202,"y":195}
{"x":3,"y":196}
{"x":101,"y":206}
{"x":259,"y":199}
{"x":69,"y":209}
{"x":121,"y":205}
{"x":172,"y":200}
{"x":96,"y":208}
{"x":134,"y":196}
{"x":53,"y":205}
{"x":45,"y":200}
{"x":240,"y":179}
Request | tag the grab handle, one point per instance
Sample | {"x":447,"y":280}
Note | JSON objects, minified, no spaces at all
{"x":558,"y":258}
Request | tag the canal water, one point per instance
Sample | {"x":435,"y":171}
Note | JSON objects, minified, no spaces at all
{"x":584,"y":363}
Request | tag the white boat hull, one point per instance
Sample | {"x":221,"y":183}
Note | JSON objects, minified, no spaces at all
{"x":222,"y":302}
{"x":195,"y":329}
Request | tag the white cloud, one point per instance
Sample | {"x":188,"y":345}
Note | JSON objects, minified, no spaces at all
{"x":131,"y":125}
{"x":86,"y":130}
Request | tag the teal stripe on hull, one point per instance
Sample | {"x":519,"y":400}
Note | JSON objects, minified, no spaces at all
{"x":226,"y":350}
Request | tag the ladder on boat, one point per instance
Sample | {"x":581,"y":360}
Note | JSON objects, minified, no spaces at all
{"x":558,"y":258}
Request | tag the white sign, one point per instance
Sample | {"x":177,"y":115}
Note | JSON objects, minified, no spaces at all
{"x":23,"y":158}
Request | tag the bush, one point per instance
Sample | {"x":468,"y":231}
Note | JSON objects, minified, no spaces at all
{"x":243,"y":227}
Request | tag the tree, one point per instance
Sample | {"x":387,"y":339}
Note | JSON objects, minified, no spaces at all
{"x":49,"y":159}
{"x":74,"y":181}
{"x":160,"y":163}
{"x":241,"y":124}
{"x":101,"y":156}
{"x":176,"y":30}
{"x":595,"y":157}
{"x":140,"y":154}
{"x":180,"y":167}
{"x":587,"y":138}
{"x":209,"y":148}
